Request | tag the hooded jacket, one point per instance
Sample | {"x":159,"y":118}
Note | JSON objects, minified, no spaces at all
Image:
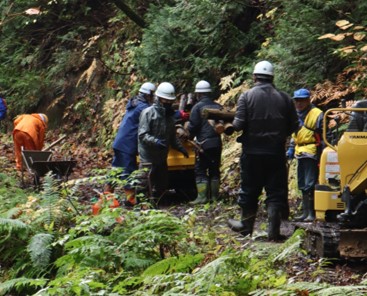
{"x":33,"y":125}
{"x":155,"y":125}
{"x":127,"y":135}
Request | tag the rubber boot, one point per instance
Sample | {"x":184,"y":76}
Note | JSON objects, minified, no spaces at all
{"x":246,"y":225}
{"x":305,"y":208}
{"x":130,"y":197}
{"x":346,"y":197}
{"x":274,"y":220}
{"x":311,"y":213}
{"x":214,"y":190}
{"x":202,"y":197}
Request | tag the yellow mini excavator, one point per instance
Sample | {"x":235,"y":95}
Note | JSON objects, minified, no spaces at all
{"x":340,"y":228}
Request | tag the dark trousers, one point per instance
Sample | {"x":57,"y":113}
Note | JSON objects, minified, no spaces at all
{"x":159,"y":178}
{"x":267,"y":172}
{"x":307,"y":174}
{"x":127,"y":162}
{"x":207,"y":165}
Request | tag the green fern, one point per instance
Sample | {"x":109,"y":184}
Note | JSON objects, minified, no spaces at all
{"x":319,"y":289}
{"x":174,"y":264}
{"x":20,"y":283}
{"x":12,"y":224}
{"x":13,"y":212}
{"x":291,"y":246}
{"x":90,"y":251}
{"x":39,"y":249}
{"x":53,"y":209}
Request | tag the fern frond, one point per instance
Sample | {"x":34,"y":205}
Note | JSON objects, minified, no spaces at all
{"x":12,"y":213}
{"x":158,"y":227}
{"x":174,"y":264}
{"x":320,"y":289}
{"x":39,"y":249}
{"x":133,"y":262}
{"x":20,"y":283}
{"x":12,"y":224}
{"x":291,"y":246}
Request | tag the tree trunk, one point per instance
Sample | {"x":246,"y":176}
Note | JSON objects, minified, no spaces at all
{"x":130,"y":13}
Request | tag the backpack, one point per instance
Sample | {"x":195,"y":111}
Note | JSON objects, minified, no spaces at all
{"x":3,"y":109}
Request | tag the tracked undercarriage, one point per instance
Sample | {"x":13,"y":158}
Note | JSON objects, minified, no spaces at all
{"x":322,"y":239}
{"x":325,"y":239}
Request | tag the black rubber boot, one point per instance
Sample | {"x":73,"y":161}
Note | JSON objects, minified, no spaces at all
{"x":305,"y":208}
{"x":274,"y":220}
{"x":311,"y":213}
{"x":246,"y":225}
{"x":214,"y":190}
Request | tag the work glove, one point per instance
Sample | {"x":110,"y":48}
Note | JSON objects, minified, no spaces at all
{"x":185,"y":153}
{"x":180,"y":114}
{"x":161,"y":143}
{"x":290,"y":153}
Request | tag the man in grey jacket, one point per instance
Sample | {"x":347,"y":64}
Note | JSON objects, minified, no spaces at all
{"x":156,"y":133}
{"x":266,"y":116}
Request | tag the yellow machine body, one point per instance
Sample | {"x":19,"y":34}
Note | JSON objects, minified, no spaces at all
{"x":352,"y":155}
{"x":340,"y":201}
{"x":329,"y":166}
{"x":176,"y":160}
{"x":328,"y":199}
{"x":344,"y":164}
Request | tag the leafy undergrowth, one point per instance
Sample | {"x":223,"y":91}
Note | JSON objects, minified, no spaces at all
{"x":52,"y":245}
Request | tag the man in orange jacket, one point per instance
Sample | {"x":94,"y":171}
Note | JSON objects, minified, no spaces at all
{"x":29,"y":133}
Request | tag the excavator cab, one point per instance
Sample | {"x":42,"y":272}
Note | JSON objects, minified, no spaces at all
{"x":346,"y":162}
{"x":341,"y":195}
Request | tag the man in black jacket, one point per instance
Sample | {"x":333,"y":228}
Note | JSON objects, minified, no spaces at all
{"x":266,"y":117}
{"x":207,"y":164}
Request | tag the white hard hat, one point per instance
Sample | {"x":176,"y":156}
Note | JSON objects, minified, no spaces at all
{"x":203,"y":87}
{"x":147,"y":88}
{"x":264,"y":68}
{"x":43,"y":117}
{"x":166,"y":91}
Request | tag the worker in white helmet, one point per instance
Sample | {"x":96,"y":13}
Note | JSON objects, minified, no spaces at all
{"x":266,"y":117}
{"x":125,"y":145}
{"x":157,"y":132}
{"x":207,"y":166}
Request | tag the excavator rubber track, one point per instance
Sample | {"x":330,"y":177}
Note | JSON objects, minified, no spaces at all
{"x":322,"y":239}
{"x":353,"y":243}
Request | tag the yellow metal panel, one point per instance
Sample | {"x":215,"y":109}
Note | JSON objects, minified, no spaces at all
{"x":327,"y":200}
{"x":176,"y":160}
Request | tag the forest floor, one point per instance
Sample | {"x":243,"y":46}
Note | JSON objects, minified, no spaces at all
{"x":339,"y":272}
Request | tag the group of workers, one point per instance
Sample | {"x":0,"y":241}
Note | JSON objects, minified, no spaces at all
{"x":148,"y":129}
{"x":267,"y":118}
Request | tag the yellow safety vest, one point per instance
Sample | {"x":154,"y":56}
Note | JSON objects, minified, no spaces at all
{"x":305,"y":138}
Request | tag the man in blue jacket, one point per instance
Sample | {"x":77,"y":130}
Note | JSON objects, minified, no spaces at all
{"x":125,"y":146}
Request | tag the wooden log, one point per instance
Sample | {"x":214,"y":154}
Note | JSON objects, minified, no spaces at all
{"x":216,"y":114}
{"x":228,"y":128}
